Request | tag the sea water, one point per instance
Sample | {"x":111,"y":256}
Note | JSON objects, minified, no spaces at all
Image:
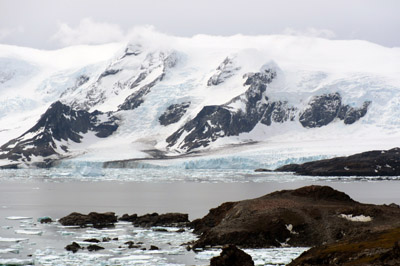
{"x":26,"y":195}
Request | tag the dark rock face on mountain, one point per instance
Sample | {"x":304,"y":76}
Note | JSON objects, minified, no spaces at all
{"x":307,"y":216}
{"x":325,"y":108}
{"x":379,"y":248}
{"x":224,"y":71}
{"x":134,"y":100}
{"x":232,"y":256}
{"x":98,"y":220}
{"x":173,"y":113}
{"x":59,"y":123}
{"x":109,"y":72}
{"x":278,"y":112}
{"x":137,"y":98}
{"x":216,"y":121}
{"x":155,"y":219}
{"x":371,"y":163}
{"x":349,"y":115}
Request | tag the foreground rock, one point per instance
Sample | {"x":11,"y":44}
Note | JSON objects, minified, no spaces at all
{"x":380,"y":248}
{"x":74,"y":247}
{"x":371,"y":163}
{"x":155,"y":219}
{"x":308,"y":216}
{"x":232,"y":256}
{"x":97,"y":220}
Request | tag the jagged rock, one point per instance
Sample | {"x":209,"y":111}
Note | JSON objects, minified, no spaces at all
{"x":74,"y":247}
{"x":232,"y":256}
{"x":109,"y":72}
{"x":213,"y":122}
{"x":128,"y":218}
{"x":278,"y":112}
{"x":371,"y":163}
{"x":173,"y":113}
{"x":323,"y":109}
{"x":349,"y":115}
{"x":45,"y":220}
{"x":131,"y":244}
{"x":98,"y":220}
{"x":168,"y":219}
{"x":137,"y":98}
{"x":59,"y":123}
{"x":224,"y":71}
{"x":94,"y":248}
{"x":378,"y":248}
{"x":92,"y":240}
{"x":307,"y":216}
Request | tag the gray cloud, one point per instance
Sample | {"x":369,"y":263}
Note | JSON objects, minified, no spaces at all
{"x":372,"y":20}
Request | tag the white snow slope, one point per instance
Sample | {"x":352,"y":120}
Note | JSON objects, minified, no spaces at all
{"x":102,"y":77}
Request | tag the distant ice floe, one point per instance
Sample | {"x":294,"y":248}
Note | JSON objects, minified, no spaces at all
{"x":359,"y":218}
{"x":18,"y":218}
{"x":29,"y":232}
{"x":16,"y":240}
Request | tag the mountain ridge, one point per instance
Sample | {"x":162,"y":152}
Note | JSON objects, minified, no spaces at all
{"x":194,"y":96}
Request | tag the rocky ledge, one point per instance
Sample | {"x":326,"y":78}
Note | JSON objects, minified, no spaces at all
{"x":371,"y":163}
{"x":232,"y":256}
{"x":97,"y":220}
{"x":308,"y":216}
{"x":380,"y":248}
{"x":155,"y":219}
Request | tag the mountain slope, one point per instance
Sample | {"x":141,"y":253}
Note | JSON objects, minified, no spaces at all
{"x":166,"y":97}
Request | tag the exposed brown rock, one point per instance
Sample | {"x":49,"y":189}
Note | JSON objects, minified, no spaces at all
{"x":372,"y":249}
{"x":167,"y":219}
{"x":98,"y":220}
{"x":232,"y":256}
{"x":74,"y":247}
{"x":307,"y":216}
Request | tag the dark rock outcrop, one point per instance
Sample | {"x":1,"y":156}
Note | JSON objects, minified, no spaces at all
{"x":94,"y":248}
{"x":232,"y":256}
{"x":325,"y":108}
{"x":153,"y":61}
{"x":128,"y":218}
{"x":371,"y":163}
{"x":59,"y":123}
{"x":307,"y":216}
{"x":98,"y":220}
{"x":137,"y":98}
{"x":155,"y":219}
{"x":224,"y":71}
{"x":216,"y":121}
{"x":173,"y":113}
{"x":74,"y":247}
{"x":92,"y":240}
{"x":378,"y":249}
{"x":109,"y":72}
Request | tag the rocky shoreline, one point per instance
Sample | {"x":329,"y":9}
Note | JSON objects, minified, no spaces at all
{"x":312,"y":216}
{"x":370,"y":163}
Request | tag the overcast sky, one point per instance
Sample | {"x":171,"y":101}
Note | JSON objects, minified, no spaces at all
{"x":50,"y":24}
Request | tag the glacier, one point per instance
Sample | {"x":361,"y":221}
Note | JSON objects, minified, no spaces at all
{"x":137,"y":82}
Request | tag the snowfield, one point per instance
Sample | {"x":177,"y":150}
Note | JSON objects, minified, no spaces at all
{"x":139,"y":80}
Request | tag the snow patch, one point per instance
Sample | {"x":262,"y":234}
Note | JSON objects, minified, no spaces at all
{"x":359,"y":218}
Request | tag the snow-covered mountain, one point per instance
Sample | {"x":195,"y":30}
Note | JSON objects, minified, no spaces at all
{"x":205,"y":101}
